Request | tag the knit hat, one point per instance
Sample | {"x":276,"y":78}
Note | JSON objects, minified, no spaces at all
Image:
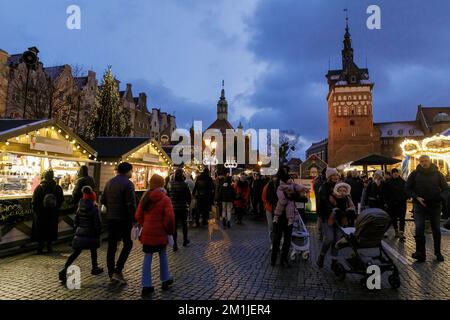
{"x":340,"y":185}
{"x":88,"y":193}
{"x":379,"y":173}
{"x":156,"y":181}
{"x":330,"y":172}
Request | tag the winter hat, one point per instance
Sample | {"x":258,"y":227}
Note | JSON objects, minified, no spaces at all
{"x":340,"y":185}
{"x":88,"y":193}
{"x":156,"y":181}
{"x":379,"y":173}
{"x":330,"y":172}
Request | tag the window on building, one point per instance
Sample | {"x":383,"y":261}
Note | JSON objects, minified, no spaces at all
{"x":411,"y":131}
{"x":400,"y":132}
{"x":353,"y":79}
{"x":389,"y":132}
{"x":352,"y":122}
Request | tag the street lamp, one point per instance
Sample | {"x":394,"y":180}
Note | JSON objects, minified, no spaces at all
{"x":30,"y":59}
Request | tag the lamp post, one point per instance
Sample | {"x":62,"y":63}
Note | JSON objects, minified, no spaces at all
{"x":231,"y":164}
{"x":30,"y":59}
{"x":209,"y":157}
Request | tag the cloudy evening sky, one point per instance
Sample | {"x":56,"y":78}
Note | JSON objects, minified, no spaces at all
{"x":273,"y":55}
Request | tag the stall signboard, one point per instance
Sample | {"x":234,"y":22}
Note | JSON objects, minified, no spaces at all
{"x":51,"y":145}
{"x":148,"y":157}
{"x":16,"y":209}
{"x":312,"y":167}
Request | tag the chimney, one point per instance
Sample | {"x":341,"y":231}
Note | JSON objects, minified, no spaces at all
{"x":143,"y":100}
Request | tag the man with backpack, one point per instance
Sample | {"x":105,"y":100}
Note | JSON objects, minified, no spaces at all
{"x":47,"y":200}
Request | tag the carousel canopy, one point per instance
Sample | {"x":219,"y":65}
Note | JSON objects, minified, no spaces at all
{"x":375,"y":160}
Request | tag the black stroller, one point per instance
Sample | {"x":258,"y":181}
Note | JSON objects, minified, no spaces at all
{"x":368,"y":233}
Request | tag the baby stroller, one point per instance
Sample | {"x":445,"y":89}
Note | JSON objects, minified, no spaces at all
{"x":300,"y":239}
{"x":368,"y":233}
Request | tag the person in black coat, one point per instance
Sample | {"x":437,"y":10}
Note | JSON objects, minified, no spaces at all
{"x":47,"y":200}
{"x":87,"y":235}
{"x":226,"y":196}
{"x":180,"y":195}
{"x":357,"y":186}
{"x":119,"y":199}
{"x":204,"y":195}
{"x":395,"y":196}
{"x":428,"y":188}
{"x":375,"y":192}
{"x":83,"y":180}
{"x":256,"y":190}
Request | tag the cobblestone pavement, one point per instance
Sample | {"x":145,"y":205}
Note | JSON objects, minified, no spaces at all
{"x":230,"y":264}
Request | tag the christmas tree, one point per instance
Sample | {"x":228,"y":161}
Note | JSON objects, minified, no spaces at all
{"x":109,"y":118}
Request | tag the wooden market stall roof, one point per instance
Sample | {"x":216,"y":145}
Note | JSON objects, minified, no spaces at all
{"x":10,"y":128}
{"x":375,"y":160}
{"x":123,"y":147}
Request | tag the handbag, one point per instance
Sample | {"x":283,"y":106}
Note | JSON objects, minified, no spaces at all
{"x":136,"y":232}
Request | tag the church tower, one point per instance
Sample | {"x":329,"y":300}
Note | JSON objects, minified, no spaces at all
{"x":222,"y":105}
{"x":351,"y":133}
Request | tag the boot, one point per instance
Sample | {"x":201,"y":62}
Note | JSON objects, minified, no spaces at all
{"x":420,"y":254}
{"x":186,"y":242}
{"x":437,"y":249}
{"x":63,"y":276}
{"x":320,"y":260}
{"x":229,"y":224}
{"x":165,"y":285}
{"x":147,"y":291}
{"x":334,"y":263}
{"x":96,"y":271}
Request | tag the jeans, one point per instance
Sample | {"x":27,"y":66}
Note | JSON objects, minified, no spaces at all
{"x":227,"y":210}
{"x":180,"y":219}
{"x":147,"y":268}
{"x":331,"y":235}
{"x":269,"y":216}
{"x":434,"y":215}
{"x":76,"y":253}
{"x":281,"y":229}
{"x":118,"y":231}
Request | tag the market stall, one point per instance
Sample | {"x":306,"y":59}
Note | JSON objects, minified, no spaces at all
{"x":145,"y":154}
{"x":436,"y":147}
{"x":374,"y":162}
{"x":27,"y":149}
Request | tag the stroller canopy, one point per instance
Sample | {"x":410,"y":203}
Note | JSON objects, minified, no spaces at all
{"x":370,"y":227}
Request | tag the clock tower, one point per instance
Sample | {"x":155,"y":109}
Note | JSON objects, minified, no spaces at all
{"x":351,"y":133}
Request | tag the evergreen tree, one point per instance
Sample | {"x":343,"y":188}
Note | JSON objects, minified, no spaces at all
{"x":109,"y":118}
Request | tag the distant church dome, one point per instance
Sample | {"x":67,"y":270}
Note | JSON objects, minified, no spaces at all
{"x":441,"y":117}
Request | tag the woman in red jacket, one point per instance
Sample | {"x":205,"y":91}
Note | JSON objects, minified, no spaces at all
{"x":155,"y":215}
{"x":242,"y":194}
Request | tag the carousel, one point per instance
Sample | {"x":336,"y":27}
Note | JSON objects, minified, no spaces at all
{"x":436,"y":147}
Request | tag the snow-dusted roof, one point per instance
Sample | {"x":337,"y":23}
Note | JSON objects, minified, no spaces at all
{"x":399,"y":129}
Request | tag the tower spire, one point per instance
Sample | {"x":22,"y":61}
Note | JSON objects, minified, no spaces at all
{"x":347,"y":52}
{"x":222,"y":105}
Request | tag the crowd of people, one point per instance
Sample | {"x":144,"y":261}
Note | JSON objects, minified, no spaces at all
{"x":179,"y":200}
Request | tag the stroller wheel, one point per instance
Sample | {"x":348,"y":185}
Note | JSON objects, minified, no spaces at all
{"x":293,"y":256}
{"x":305,"y":255}
{"x":394,"y":281}
{"x":339,"y":271}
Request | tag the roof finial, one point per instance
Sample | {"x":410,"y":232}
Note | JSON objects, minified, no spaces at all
{"x":222,"y":96}
{"x":346,"y":19}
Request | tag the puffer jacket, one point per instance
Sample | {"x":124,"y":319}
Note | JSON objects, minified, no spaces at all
{"x":285,"y":193}
{"x":157,"y":222}
{"x":180,"y":195}
{"x":88,"y":223}
{"x":120,"y":199}
{"x":428,"y":184}
{"x":242,"y":194}
{"x":226,"y":191}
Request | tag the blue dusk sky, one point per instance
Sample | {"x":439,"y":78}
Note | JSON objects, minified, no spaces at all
{"x":273,"y":55}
